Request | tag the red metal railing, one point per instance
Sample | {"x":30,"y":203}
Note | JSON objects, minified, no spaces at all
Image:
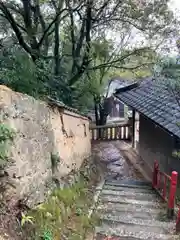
{"x":161,"y":181}
{"x":166,"y":186}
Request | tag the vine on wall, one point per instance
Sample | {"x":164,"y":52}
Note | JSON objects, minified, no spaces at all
{"x":7,"y":135}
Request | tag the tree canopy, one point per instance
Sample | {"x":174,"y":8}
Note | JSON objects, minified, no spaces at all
{"x":68,"y":49}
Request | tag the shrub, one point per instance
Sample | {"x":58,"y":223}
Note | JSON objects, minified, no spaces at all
{"x":6,"y":136}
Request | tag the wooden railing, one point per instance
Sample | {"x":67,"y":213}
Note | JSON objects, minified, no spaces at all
{"x":166,"y":186}
{"x":110,"y":132}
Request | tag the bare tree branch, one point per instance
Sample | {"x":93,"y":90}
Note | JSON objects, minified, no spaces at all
{"x":51,"y":24}
{"x":136,"y":51}
{"x":43,"y":26}
{"x":14,"y":26}
{"x":135,"y":67}
{"x":27,"y":14}
{"x":73,"y":41}
{"x":85,"y":59}
{"x":15,"y":7}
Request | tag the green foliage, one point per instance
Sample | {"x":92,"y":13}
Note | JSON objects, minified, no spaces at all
{"x":55,"y":158}
{"x":47,"y":236}
{"x":28,"y":64}
{"x":167,"y":72}
{"x":22,"y":75}
{"x":6,"y":133}
{"x":26,"y":219}
{"x":65,"y":213}
{"x":132,"y":75}
{"x":18,"y":72}
{"x":6,"y":136}
{"x":176,"y":154}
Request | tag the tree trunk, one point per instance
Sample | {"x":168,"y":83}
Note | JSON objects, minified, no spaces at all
{"x":100,"y":112}
{"x":56,"y":49}
{"x":103,"y":116}
{"x":96,"y":112}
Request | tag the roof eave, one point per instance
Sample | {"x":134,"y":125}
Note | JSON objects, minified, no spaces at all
{"x":127,"y":88}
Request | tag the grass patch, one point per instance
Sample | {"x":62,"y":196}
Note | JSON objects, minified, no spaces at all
{"x":65,"y":213}
{"x":162,"y":216}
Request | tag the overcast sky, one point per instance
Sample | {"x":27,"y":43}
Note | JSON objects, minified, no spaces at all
{"x":137,"y":38}
{"x":175,"y":4}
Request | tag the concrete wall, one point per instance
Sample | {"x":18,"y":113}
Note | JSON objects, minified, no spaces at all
{"x":155,"y":143}
{"x":41,"y":132}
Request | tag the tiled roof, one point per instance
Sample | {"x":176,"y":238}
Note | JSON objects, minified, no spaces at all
{"x":60,"y":104}
{"x":116,"y":83}
{"x":154,"y":100}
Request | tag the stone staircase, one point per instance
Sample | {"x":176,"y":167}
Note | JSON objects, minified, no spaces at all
{"x":131,"y":210}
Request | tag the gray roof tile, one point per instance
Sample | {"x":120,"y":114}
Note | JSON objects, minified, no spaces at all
{"x":153,"y":99}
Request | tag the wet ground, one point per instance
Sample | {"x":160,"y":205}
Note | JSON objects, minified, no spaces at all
{"x":128,"y":209}
{"x":117,"y":167}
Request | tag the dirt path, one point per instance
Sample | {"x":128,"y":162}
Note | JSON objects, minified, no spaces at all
{"x":117,"y":167}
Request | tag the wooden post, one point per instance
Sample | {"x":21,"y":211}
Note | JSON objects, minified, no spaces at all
{"x":116,"y":133}
{"x":111,"y":133}
{"x":124,"y":133}
{"x":92,"y":132}
{"x":120,"y":132}
{"x":172,"y":194}
{"x":133,"y":128}
{"x":155,"y":174}
{"x":107,"y":133}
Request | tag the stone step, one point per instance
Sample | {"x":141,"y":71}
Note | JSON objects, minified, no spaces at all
{"x":136,"y":231}
{"x":135,"y":182}
{"x":128,"y":208}
{"x":129,"y":184}
{"x":144,"y":215}
{"x":104,"y":237}
{"x":125,"y":200}
{"x":114,"y":237}
{"x":124,"y":188}
{"x":130,"y":194}
{"x":110,"y":183}
{"x":129,"y":219}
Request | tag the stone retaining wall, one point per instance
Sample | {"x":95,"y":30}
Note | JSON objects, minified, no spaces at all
{"x":50,"y":141}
